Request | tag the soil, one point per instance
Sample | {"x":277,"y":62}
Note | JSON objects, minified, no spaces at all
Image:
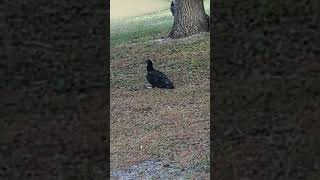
{"x":157,"y":169}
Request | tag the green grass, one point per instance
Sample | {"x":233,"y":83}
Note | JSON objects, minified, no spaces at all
{"x":143,"y":28}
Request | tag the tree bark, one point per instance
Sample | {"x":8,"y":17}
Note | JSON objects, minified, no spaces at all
{"x":189,"y":19}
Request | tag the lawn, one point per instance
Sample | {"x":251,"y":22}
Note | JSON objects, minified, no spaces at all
{"x":140,"y":29}
{"x":157,"y":123}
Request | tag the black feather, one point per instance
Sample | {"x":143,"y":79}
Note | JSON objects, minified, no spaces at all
{"x":157,"y":78}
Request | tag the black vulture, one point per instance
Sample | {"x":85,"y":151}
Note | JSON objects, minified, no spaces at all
{"x":157,"y":78}
{"x":173,"y":8}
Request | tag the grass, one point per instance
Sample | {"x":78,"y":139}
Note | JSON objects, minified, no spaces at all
{"x":157,"y":123}
{"x":143,"y":28}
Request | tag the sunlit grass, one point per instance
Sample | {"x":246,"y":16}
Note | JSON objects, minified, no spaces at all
{"x":140,"y":29}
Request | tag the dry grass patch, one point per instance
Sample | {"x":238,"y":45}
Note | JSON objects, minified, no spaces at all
{"x":158,"y":123}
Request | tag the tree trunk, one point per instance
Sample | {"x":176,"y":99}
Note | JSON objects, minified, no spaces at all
{"x":189,"y":18}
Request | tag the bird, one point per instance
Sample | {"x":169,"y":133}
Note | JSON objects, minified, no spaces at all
{"x":172,"y":8}
{"x":157,"y":78}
